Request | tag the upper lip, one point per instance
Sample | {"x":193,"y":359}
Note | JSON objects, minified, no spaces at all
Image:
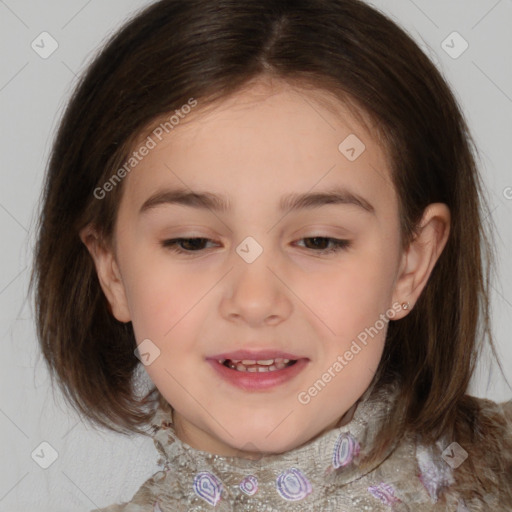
{"x":255,"y":355}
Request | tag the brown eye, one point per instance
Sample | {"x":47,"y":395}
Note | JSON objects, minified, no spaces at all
{"x":319,"y":244}
{"x":184,"y":245}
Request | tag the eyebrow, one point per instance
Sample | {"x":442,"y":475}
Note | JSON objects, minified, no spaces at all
{"x":290,"y":202}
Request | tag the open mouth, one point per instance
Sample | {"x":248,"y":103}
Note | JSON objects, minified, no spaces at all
{"x":260,"y":365}
{"x":259,"y":374}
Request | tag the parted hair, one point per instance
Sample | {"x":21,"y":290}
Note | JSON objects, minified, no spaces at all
{"x":175,"y":50}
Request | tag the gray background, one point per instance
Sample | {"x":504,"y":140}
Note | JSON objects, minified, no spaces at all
{"x":96,"y":468}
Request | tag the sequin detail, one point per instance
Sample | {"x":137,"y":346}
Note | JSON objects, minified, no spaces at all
{"x":249,"y":485}
{"x":208,"y":487}
{"x":345,"y":449}
{"x":384,"y":492}
{"x":292,"y":485}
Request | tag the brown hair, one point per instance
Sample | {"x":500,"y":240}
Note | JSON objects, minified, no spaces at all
{"x":175,"y":50}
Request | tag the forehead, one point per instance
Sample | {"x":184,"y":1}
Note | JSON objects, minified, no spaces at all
{"x":262,"y":142}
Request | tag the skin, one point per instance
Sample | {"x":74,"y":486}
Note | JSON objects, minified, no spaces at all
{"x":265,"y":142}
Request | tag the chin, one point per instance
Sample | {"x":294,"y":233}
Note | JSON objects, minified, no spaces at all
{"x":260,"y":442}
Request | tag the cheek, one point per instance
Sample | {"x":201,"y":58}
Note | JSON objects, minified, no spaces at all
{"x":358,"y":368}
{"x":352,"y":294}
{"x":163,"y":296}
{"x":351,"y":301}
{"x":368,"y":282}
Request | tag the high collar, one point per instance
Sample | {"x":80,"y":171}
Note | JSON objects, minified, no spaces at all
{"x":330,"y":459}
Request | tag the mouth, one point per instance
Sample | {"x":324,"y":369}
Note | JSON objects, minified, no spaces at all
{"x":259,"y":365}
{"x":257,"y":371}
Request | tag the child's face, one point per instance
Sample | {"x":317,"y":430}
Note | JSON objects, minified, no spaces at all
{"x":291,"y":298}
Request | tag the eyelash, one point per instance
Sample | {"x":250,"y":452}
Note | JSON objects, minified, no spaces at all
{"x":339,"y":245}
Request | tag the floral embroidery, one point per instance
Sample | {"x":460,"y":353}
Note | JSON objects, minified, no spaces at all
{"x":292,"y":485}
{"x":249,"y":485}
{"x":434,"y":477}
{"x":384,"y":492}
{"x":208,"y":487}
{"x":345,"y":449}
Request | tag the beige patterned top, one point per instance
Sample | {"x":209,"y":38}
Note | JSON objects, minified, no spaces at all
{"x":322,"y":475}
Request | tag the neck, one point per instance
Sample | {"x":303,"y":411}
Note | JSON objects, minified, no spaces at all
{"x":198,"y":439}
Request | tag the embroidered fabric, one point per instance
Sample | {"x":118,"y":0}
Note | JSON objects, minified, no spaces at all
{"x":322,"y":475}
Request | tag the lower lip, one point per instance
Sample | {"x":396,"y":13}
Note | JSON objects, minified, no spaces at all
{"x":256,"y":381}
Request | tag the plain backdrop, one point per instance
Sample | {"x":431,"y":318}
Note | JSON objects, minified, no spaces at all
{"x":95,"y":468}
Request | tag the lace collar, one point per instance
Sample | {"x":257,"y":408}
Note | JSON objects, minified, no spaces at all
{"x":315,"y":468}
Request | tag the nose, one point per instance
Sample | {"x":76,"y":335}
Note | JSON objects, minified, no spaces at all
{"x":255,"y":293}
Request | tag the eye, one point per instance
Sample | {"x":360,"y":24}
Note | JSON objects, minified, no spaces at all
{"x":190,"y":245}
{"x":337,"y":245}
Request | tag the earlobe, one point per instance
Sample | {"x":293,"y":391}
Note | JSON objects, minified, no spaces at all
{"x":423,"y":252}
{"x":108,"y":272}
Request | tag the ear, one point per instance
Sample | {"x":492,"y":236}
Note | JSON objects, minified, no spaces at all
{"x":421,"y":256}
{"x":108,"y":272}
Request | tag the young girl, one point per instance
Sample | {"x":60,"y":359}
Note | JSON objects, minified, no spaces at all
{"x":274,"y":208}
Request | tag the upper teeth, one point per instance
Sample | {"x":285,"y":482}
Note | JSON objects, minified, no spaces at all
{"x":251,"y":365}
{"x":257,"y":361}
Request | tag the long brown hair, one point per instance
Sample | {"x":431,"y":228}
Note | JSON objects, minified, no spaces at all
{"x":175,"y":50}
